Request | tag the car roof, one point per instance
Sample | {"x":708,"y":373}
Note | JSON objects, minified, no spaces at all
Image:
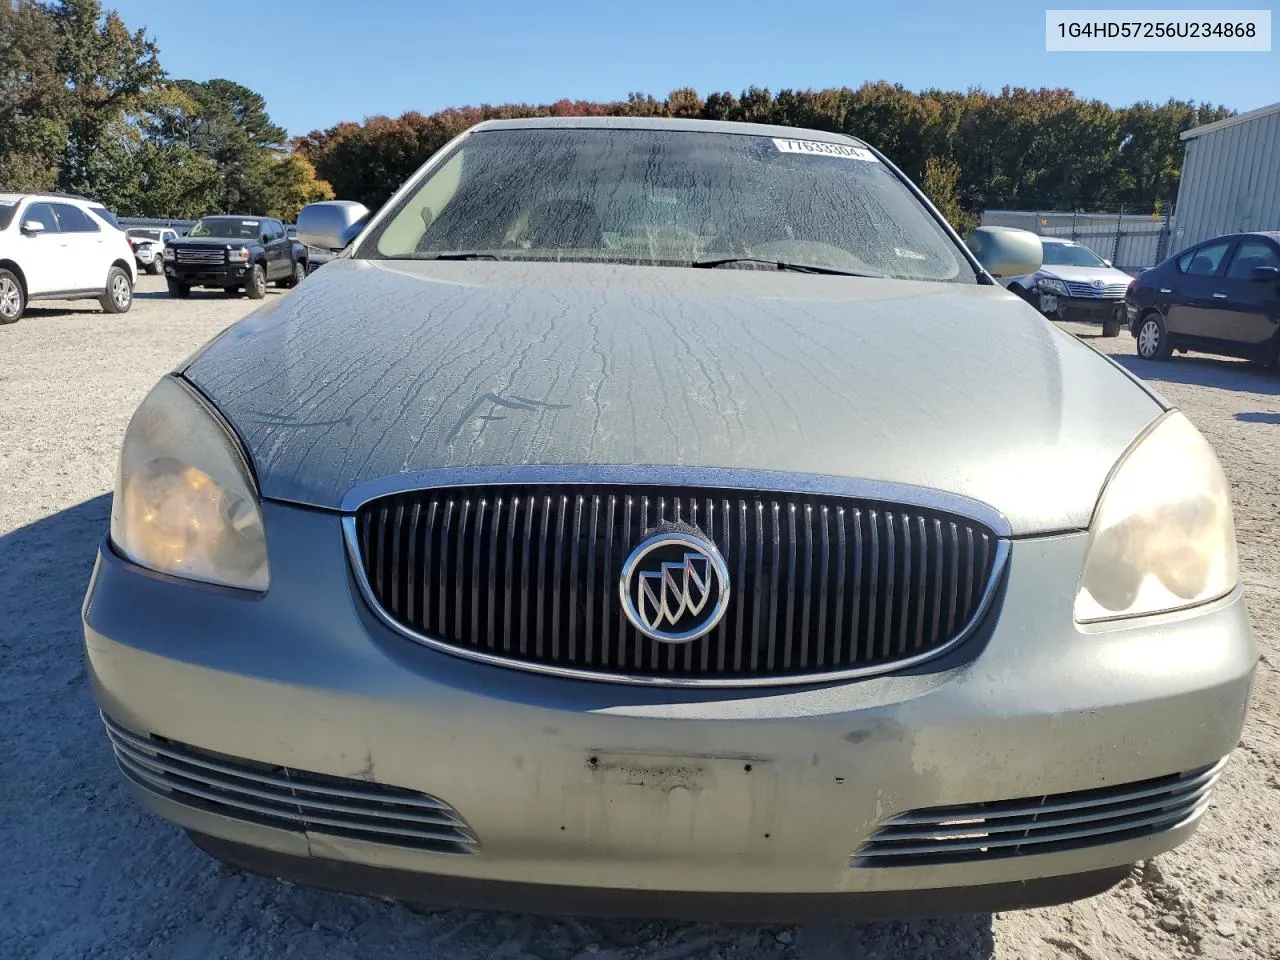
{"x":667,"y":123}
{"x":235,"y":216}
{"x":57,"y":197}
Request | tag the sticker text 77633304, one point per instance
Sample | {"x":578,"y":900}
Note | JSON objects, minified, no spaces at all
{"x":846,"y":150}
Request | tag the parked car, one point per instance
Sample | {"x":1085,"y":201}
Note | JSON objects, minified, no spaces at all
{"x":59,"y":247}
{"x":1074,"y":283}
{"x":1222,"y":296}
{"x":668,"y":517}
{"x":148,"y":246}
{"x":234,"y":253}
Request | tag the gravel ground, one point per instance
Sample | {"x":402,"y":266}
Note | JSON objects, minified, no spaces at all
{"x":87,"y":874}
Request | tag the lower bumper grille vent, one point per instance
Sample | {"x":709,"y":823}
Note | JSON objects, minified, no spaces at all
{"x":289,"y":799}
{"x":1017,"y":828}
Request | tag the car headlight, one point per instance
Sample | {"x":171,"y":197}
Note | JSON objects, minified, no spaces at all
{"x":1162,"y":536}
{"x":168,"y":253}
{"x":239,"y":255}
{"x":185,"y":501}
{"x":1052,"y":285}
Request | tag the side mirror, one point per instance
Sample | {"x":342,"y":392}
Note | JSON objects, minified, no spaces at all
{"x":266,"y":238}
{"x":1107,"y":263}
{"x":1265,"y":273}
{"x":1006,"y":251}
{"x":33,"y":228}
{"x":331,"y":224}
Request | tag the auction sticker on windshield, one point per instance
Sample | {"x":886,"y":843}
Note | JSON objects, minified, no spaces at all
{"x":848,"y":151}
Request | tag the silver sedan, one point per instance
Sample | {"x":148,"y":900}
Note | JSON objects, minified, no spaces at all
{"x":671,"y":518}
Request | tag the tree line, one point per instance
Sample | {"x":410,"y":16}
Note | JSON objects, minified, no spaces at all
{"x":1017,"y":149}
{"x":86,"y":107}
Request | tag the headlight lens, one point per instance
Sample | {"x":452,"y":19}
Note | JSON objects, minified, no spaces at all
{"x":185,"y":502}
{"x":1052,"y":285}
{"x":240,"y":255}
{"x":1162,"y":537}
{"x":168,"y":253}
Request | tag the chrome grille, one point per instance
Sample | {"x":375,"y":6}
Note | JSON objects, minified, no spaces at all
{"x":1087,"y":291}
{"x":1016,"y":828}
{"x":529,"y":575}
{"x":194,"y":255}
{"x":289,"y":799}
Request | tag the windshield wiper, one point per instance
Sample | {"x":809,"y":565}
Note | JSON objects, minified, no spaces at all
{"x":461,"y":256}
{"x":784,"y":265}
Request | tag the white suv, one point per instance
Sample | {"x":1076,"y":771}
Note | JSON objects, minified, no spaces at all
{"x":55,"y":247}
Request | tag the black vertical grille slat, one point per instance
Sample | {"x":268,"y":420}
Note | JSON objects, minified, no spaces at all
{"x":871,"y":590}
{"x":839,"y":619}
{"x":606,"y":587}
{"x":589,"y":599}
{"x":922,"y":584}
{"x":789,"y":619}
{"x":824,"y":570}
{"x":557,"y":578}
{"x":460,"y":569}
{"x":446,"y":567}
{"x":819,"y":583}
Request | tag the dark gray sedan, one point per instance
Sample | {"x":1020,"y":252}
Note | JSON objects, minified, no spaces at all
{"x":670,"y":518}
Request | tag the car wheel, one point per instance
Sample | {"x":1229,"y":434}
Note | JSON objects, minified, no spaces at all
{"x":12,"y":300}
{"x":299,"y":274}
{"x":256,"y":287}
{"x":1153,"y":339}
{"x":1111,"y":328}
{"x":118,"y":297}
{"x":156,"y":268}
{"x":179,"y":290}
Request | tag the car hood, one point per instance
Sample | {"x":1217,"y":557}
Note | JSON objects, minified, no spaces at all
{"x":219,"y":242}
{"x":374,"y":369}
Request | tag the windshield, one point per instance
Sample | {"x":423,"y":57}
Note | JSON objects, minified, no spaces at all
{"x":7,"y":208}
{"x":668,"y":197}
{"x":232,"y":229}
{"x":1070,"y":255}
{"x":144,"y":234}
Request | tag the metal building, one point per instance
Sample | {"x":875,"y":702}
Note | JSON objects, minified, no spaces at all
{"x":1230,"y":178}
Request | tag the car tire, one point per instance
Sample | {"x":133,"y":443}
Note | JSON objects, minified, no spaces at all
{"x":1111,"y":328}
{"x":13,"y":300}
{"x":179,"y":290}
{"x":296,"y":277}
{"x":256,"y":283}
{"x":1153,"y":338}
{"x":156,"y":268}
{"x":118,"y":297}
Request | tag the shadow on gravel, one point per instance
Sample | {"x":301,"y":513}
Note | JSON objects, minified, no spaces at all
{"x":48,"y":313}
{"x":84,"y":863}
{"x":1258,"y":417}
{"x":199,"y":294}
{"x":1205,"y":372}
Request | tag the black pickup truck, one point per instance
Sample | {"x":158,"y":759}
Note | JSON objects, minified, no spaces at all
{"x":234,"y":253}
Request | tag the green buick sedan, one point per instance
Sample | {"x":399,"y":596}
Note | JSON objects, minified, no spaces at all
{"x":668,"y":518}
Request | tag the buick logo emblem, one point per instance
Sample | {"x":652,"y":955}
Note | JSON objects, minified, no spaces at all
{"x":674,"y":586}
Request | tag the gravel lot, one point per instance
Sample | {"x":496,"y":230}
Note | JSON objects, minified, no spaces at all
{"x":86,"y":874}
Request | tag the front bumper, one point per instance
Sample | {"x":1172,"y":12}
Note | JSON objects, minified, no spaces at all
{"x":207,"y":275}
{"x":1085,"y":309}
{"x":633,"y":792}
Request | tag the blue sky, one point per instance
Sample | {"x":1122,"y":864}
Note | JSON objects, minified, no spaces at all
{"x":323,"y":61}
